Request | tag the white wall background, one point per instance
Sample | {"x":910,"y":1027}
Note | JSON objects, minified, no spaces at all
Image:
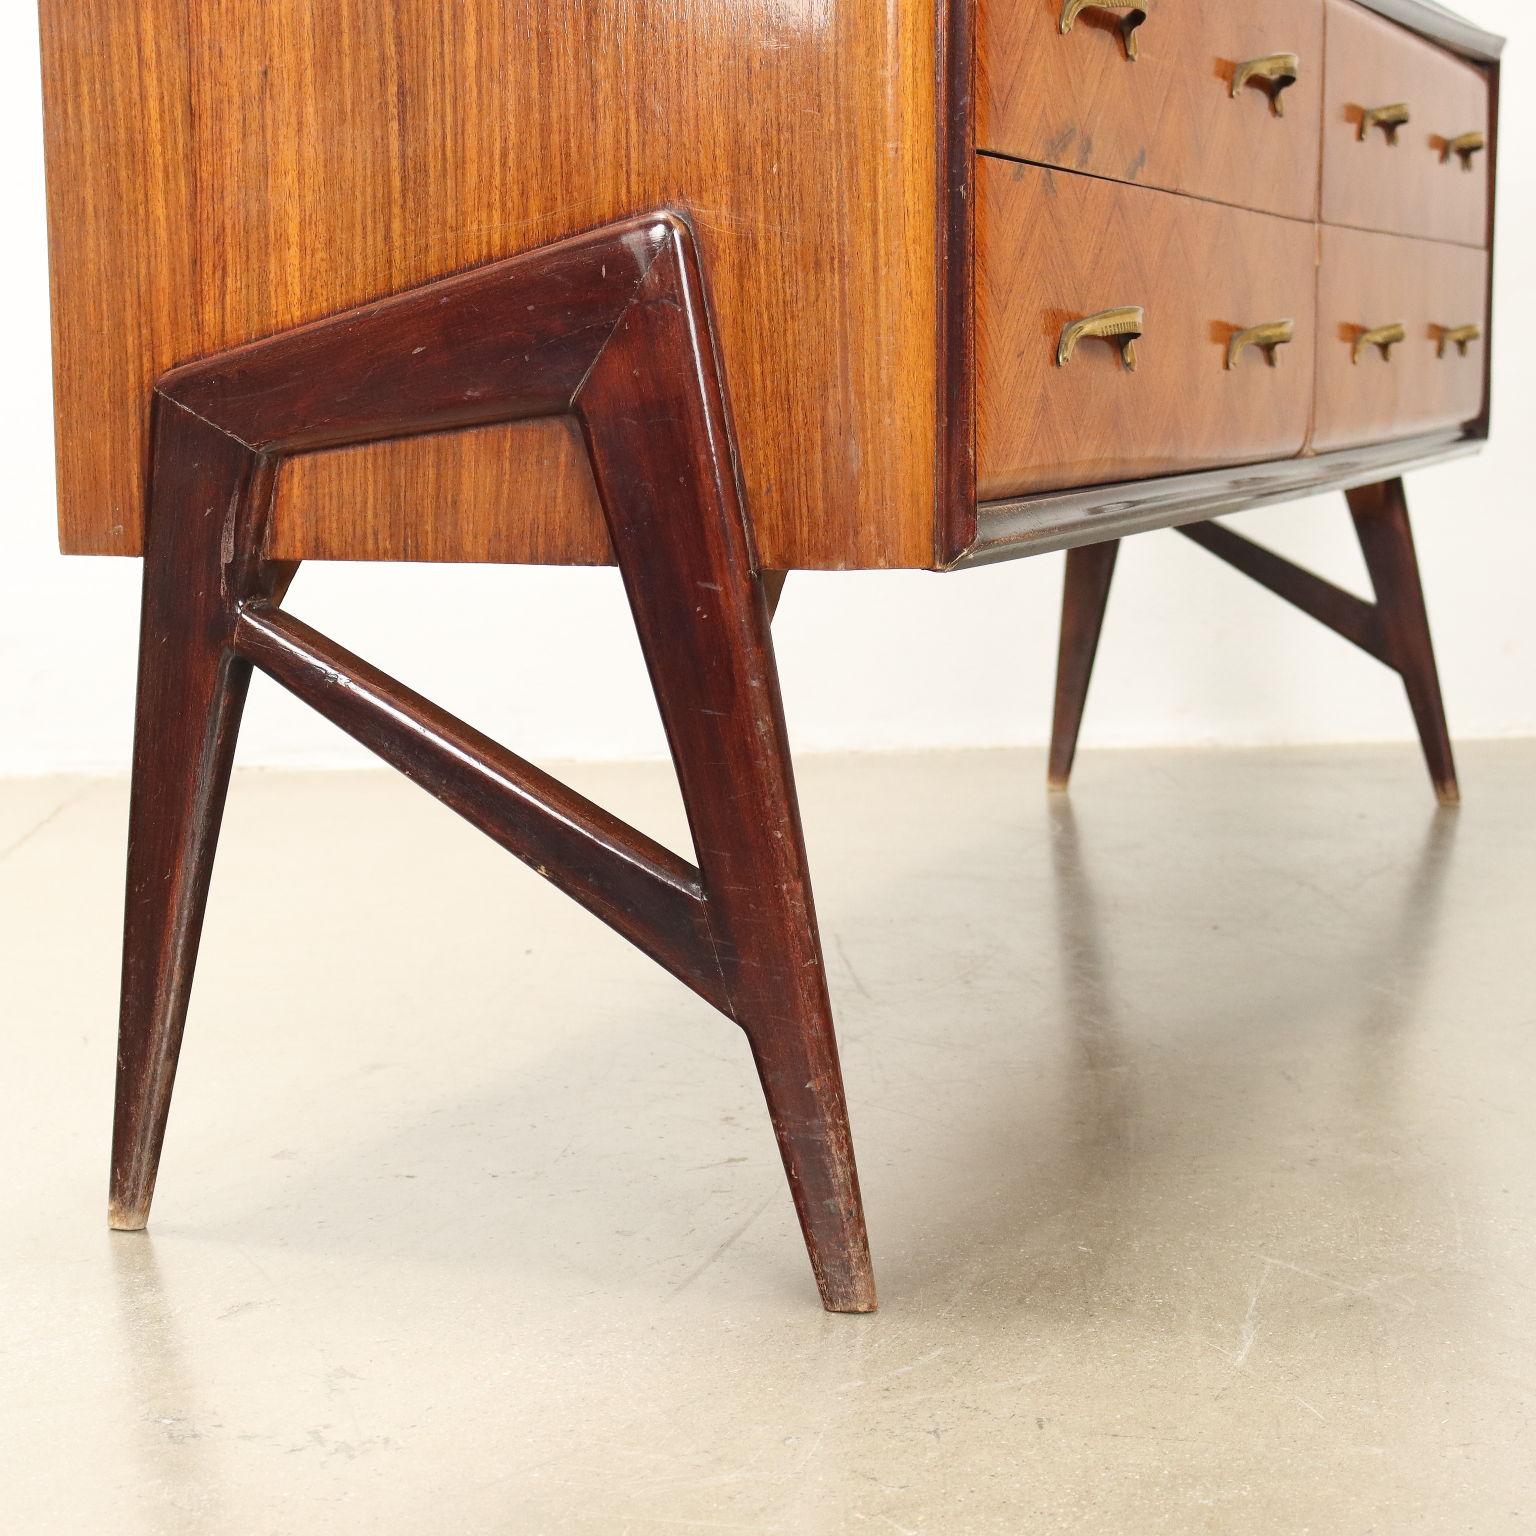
{"x":545,"y":660}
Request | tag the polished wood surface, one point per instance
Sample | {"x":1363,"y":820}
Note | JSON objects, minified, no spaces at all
{"x":1368,"y":280}
{"x":120,"y":220}
{"x":445,"y":497}
{"x":223,"y":170}
{"x":1412,"y":186}
{"x":1052,"y":247}
{"x":1380,"y":513}
{"x":1167,"y":120}
{"x":613,"y":329}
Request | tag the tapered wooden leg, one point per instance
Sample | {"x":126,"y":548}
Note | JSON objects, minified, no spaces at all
{"x":1380,"y":513}
{"x":702,"y":612}
{"x":773,"y":589}
{"x":1089,"y":572}
{"x":190,"y":695}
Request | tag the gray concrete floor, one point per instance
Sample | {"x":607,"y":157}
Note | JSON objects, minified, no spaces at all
{"x":1194,"y":1115}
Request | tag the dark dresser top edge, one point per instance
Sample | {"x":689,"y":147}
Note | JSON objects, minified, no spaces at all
{"x":1435,"y":22}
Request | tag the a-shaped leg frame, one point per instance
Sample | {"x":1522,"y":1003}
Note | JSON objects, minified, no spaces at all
{"x":611,"y":327}
{"x":1394,"y":629}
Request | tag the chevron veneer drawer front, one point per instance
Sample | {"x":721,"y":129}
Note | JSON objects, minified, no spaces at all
{"x":1406,"y":132}
{"x":1222,"y":99}
{"x":1052,"y":248}
{"x":1369,"y":286}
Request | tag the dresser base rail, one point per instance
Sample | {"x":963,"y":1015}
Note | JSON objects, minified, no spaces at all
{"x":1394,"y":628}
{"x":612,"y":328}
{"x":1037,"y":525}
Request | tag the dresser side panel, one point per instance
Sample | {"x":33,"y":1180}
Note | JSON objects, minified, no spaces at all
{"x":116,"y":131}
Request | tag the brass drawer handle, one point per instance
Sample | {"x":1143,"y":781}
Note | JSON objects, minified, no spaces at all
{"x":1383,"y":336}
{"x":1122,"y":326}
{"x":1277,"y":70}
{"x":1133,"y":18}
{"x":1274,"y":334}
{"x":1458,"y":336}
{"x":1466,"y":145}
{"x":1389,"y":119}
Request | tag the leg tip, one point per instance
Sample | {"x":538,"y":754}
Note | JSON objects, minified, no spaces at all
{"x":1056,"y":784}
{"x":1448,"y":794}
{"x":850,"y":1305}
{"x":853,"y":1292}
{"x":123,"y":1218}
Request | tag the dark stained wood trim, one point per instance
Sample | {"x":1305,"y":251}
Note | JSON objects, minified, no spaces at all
{"x":1394,"y":629}
{"x":612,"y":328}
{"x":1441,"y":26}
{"x":662,"y":457}
{"x":773,"y":589}
{"x":633,"y":884}
{"x":210,"y":502}
{"x":1085,"y":594}
{"x":1386,"y":540}
{"x":1034,"y":525}
{"x":955,"y":483}
{"x":456,"y":353}
{"x":1495,"y":78}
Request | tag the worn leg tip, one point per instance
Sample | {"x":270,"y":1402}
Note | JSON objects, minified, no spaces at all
{"x":1448,"y":794}
{"x":122,"y":1218}
{"x":1057,"y":783}
{"x":851,"y":1306}
{"x":855,"y":1294}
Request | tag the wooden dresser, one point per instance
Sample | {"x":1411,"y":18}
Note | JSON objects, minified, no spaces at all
{"x":714,"y":291}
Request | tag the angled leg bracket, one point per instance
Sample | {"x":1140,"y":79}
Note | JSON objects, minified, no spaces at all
{"x":1356,"y":620}
{"x":612,"y":328}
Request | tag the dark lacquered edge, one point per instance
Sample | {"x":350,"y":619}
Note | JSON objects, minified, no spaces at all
{"x":1036,"y":525}
{"x":955,"y":482}
{"x":1441,"y":26}
{"x":1495,"y":75}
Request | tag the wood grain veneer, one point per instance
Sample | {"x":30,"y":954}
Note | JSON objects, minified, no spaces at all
{"x":1052,"y":247}
{"x":116,"y":100}
{"x":1369,"y":280}
{"x":222,"y":170}
{"x":1167,"y":120}
{"x":1409,"y":187}
{"x":488,"y":495}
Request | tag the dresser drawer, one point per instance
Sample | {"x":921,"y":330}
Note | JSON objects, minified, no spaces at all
{"x":1425,"y":175}
{"x":1430,"y":379}
{"x":1054,"y":247}
{"x":1169,"y":118}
